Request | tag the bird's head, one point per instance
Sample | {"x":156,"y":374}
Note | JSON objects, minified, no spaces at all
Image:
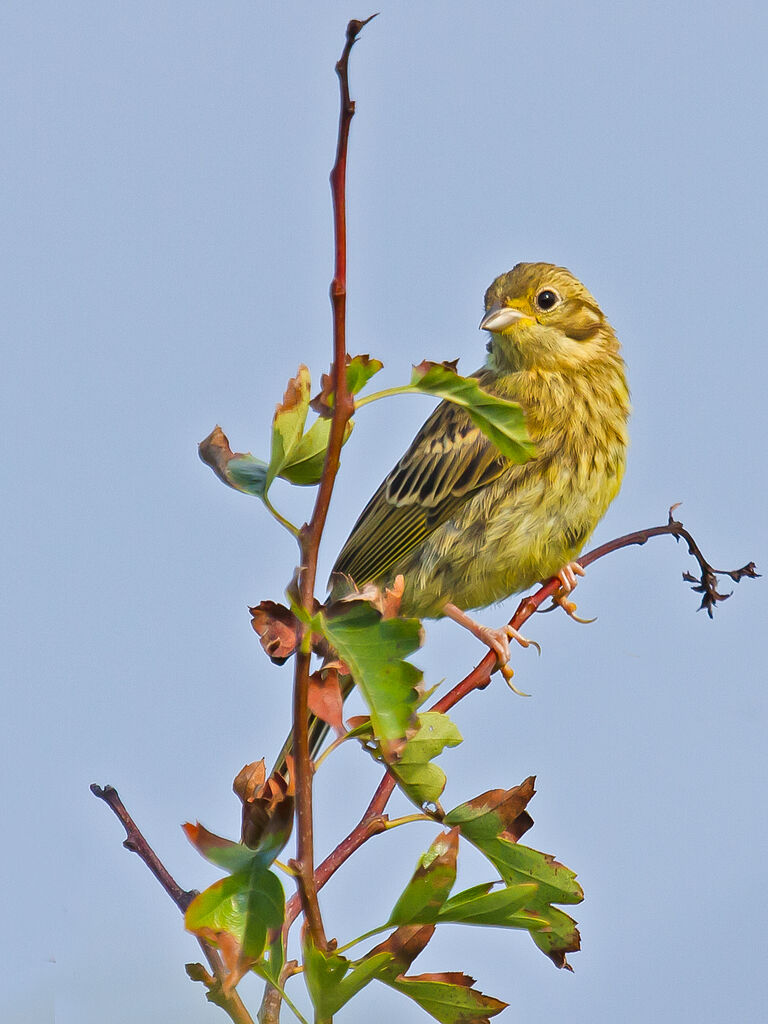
{"x":541,"y":317}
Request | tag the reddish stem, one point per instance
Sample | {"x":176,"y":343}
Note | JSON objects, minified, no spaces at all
{"x":311,"y":533}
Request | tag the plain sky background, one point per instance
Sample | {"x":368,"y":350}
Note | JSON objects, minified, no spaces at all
{"x":167,"y":235}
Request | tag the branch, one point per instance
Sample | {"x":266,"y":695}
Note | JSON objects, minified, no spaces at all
{"x":310,"y":534}
{"x":373,"y":821}
{"x":230,"y":1002}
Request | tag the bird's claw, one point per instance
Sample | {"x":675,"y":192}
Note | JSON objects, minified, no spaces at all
{"x":568,"y":577}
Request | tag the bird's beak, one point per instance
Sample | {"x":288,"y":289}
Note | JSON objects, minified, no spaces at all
{"x":498,"y":318}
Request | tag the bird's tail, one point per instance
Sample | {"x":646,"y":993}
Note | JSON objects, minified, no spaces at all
{"x":318,"y":730}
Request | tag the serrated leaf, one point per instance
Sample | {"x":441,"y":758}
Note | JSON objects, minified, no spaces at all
{"x":499,"y":419}
{"x":374,"y":650}
{"x":360,"y":369}
{"x":498,"y":908}
{"x":236,"y":914}
{"x":431,"y":883}
{"x":557,"y":936}
{"x":417,"y":776}
{"x":449,"y":997}
{"x":518,"y":864}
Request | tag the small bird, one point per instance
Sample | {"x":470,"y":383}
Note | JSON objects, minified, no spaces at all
{"x":463,"y":525}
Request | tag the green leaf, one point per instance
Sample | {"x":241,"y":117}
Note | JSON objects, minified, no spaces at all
{"x":374,"y":649}
{"x":448,"y":997}
{"x":333,"y":980}
{"x":557,"y":936}
{"x":421,"y":780}
{"x":360,"y":369}
{"x":224,"y":853}
{"x":517,"y":864}
{"x":243,"y":906}
{"x":288,"y":423}
{"x":248,"y":474}
{"x":431,"y":883}
{"x":499,"y":419}
{"x":498,"y":908}
{"x":306,"y":460}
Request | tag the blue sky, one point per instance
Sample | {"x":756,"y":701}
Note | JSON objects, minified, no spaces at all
{"x":167,"y":260}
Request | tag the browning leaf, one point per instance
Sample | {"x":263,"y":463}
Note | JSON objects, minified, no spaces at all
{"x":404,"y":945}
{"x":277,"y":628}
{"x":325,"y":699}
{"x":267,"y":816}
{"x":499,"y":812}
{"x":449,"y":997}
{"x":360,"y":369}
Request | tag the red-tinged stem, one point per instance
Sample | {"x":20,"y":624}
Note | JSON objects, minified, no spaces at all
{"x":311,"y":533}
{"x":230,"y":1002}
{"x":373,"y":820}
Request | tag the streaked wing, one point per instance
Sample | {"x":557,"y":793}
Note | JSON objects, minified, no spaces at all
{"x":449,"y":461}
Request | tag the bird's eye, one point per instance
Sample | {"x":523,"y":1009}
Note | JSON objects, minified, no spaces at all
{"x":547,"y":299}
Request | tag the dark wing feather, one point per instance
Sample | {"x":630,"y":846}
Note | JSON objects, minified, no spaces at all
{"x":449,"y":460}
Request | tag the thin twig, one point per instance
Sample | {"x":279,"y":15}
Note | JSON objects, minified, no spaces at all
{"x":374,"y":821}
{"x":136,"y":843}
{"x":310,"y":533}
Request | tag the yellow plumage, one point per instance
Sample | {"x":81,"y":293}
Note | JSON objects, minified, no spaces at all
{"x":454,"y":517}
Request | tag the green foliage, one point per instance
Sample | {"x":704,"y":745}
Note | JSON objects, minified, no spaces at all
{"x":449,"y":997}
{"x":431,"y":883}
{"x":417,"y":776}
{"x":500,"y":420}
{"x":333,"y":980}
{"x":237,"y":912}
{"x":374,"y":650}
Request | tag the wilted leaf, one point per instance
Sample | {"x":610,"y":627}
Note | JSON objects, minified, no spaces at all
{"x":449,"y":997}
{"x":325,"y":699}
{"x":276,"y":626}
{"x":499,"y":812}
{"x":239,"y":470}
{"x":267,"y":817}
{"x":374,"y":650}
{"x":499,"y":419}
{"x":235,"y":914}
{"x":431,"y":883}
{"x":360,"y":369}
{"x":417,"y":776}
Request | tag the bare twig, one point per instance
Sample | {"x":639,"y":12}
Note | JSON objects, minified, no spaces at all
{"x":310,"y":533}
{"x":136,"y":843}
{"x":373,"y":821}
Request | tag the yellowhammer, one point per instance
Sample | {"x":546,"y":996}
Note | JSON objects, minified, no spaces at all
{"x":464,"y":526}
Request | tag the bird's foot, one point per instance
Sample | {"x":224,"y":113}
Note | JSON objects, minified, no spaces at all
{"x":568,"y":577}
{"x":496,"y":639}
